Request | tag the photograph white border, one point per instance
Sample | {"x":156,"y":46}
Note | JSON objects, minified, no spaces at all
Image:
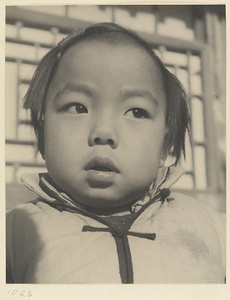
{"x":100,"y":292}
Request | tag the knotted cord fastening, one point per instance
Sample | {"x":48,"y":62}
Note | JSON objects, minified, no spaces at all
{"x":118,"y":227}
{"x":165,"y":193}
{"x":123,"y":249}
{"x":119,"y":232}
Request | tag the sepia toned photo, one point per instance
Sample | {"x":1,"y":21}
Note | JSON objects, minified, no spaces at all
{"x":115,"y":147}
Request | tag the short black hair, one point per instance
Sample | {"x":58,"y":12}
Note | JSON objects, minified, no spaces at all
{"x":177,"y":109}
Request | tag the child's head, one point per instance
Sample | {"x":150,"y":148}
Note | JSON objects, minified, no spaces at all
{"x":106,"y":113}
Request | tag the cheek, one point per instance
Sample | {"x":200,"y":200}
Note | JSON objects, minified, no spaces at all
{"x":145,"y":155}
{"x":50,"y":139}
{"x":65,"y":146}
{"x":59,"y":132}
{"x":149,"y":142}
{"x":56,"y":144}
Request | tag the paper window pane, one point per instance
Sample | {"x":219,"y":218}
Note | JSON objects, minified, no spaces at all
{"x":194,"y":64}
{"x":20,"y":153}
{"x":9,"y":174}
{"x":20,"y":51}
{"x":59,"y":10}
{"x":26,"y":133}
{"x":36,"y":35}
{"x":41,"y":52}
{"x":174,"y":58}
{"x":185,"y":183}
{"x":137,"y":20}
{"x":91,"y":13}
{"x":196,"y":84}
{"x":26,"y":71}
{"x":182,"y":75}
{"x":22,"y":170}
{"x":10,"y":100}
{"x":11,"y":31}
{"x":200,"y":168}
{"x":197,"y":120}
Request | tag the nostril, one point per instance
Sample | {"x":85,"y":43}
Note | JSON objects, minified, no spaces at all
{"x":110,"y":142}
{"x":97,"y":141}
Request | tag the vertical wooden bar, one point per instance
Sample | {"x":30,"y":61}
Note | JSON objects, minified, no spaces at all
{"x":18,"y":98}
{"x":188,"y":53}
{"x":113,"y":13}
{"x":208,"y":95}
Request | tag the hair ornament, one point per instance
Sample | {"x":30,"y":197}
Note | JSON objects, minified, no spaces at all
{"x":69,"y":39}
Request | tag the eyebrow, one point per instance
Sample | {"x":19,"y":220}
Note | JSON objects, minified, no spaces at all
{"x":76,"y":87}
{"x":139,"y":93}
{"x":87,"y":89}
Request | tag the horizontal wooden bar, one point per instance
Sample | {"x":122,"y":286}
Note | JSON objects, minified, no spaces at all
{"x":66,"y":25}
{"x":25,"y":164}
{"x":173,"y":44}
{"x":29,"y":43}
{"x":199,"y":144}
{"x":20,"y":142}
{"x":24,"y":81}
{"x":25,"y":122}
{"x":43,"y":20}
{"x":200,"y":97}
{"x":22,"y":60}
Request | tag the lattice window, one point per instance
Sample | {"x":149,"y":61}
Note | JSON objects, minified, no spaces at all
{"x":29,"y":37}
{"x":186,"y":66}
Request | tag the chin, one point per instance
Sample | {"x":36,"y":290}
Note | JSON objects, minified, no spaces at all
{"x":106,"y":198}
{"x":103,"y":203}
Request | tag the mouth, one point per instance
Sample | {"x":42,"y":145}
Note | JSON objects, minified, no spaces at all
{"x":101,"y":172}
{"x":101,"y":164}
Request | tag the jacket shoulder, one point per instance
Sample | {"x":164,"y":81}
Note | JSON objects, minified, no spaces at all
{"x":190,"y":217}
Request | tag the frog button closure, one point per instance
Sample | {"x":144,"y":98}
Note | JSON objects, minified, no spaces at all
{"x":119,"y":230}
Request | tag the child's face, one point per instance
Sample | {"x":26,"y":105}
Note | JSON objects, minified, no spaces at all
{"x":105,"y":124}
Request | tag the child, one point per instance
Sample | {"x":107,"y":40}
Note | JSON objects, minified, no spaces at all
{"x":107,"y":113}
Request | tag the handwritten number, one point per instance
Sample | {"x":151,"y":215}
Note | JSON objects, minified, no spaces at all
{"x":20,"y":293}
{"x":29,"y":294}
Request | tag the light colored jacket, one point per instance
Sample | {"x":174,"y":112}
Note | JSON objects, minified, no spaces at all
{"x":169,"y":239}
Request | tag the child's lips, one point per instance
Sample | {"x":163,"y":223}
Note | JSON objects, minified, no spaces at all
{"x":101,"y":172}
{"x":101,"y":164}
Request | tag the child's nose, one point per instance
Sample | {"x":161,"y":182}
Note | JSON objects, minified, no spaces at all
{"x":104,"y":133}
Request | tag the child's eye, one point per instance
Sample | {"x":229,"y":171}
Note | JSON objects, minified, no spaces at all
{"x":138,"y":113}
{"x":76,"y":108}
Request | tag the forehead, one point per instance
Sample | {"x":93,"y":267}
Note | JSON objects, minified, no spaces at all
{"x":107,"y":63}
{"x":114,"y":45}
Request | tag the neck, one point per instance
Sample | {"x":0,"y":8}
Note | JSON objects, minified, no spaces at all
{"x":110,"y":211}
